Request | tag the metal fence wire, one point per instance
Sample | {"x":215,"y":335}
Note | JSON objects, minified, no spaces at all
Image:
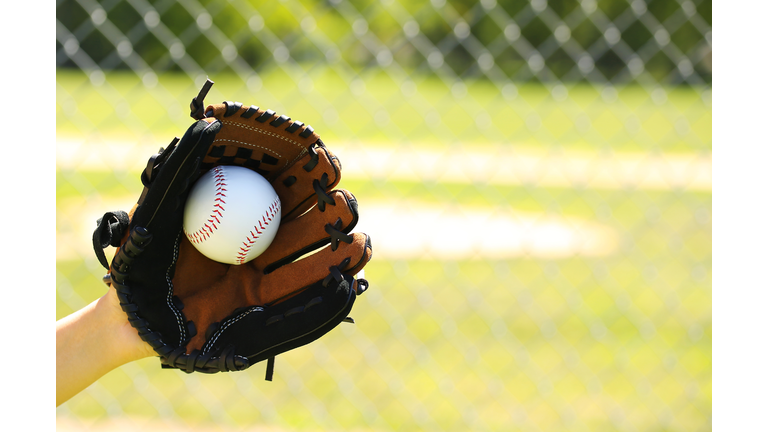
{"x":535,"y":177}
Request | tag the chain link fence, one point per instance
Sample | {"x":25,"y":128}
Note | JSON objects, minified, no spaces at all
{"x":535,"y":177}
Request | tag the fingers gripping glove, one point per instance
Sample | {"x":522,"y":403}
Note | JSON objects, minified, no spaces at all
{"x":204,"y":316}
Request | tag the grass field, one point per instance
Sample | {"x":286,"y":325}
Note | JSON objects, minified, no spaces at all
{"x":483,"y":341}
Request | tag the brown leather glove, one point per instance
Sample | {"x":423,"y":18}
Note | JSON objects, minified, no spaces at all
{"x":205,"y":316}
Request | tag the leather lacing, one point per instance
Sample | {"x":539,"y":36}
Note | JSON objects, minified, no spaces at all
{"x":337,"y":235}
{"x":322,"y":196}
{"x":109,"y":232}
{"x":197,"y":112}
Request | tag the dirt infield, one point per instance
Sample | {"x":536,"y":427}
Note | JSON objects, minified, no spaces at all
{"x":498,"y":165}
{"x":458,"y":232}
{"x":499,"y":233}
{"x":516,"y":167}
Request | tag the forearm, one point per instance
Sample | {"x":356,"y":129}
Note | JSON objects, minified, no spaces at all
{"x":91,"y":342}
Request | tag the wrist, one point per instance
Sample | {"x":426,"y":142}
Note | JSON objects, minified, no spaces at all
{"x":93,"y":341}
{"x":122,"y":339}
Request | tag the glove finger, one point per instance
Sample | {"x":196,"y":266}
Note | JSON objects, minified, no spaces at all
{"x":306,"y":182}
{"x":258,"y":139}
{"x":208,"y":291}
{"x":290,"y":279}
{"x":311,"y":231}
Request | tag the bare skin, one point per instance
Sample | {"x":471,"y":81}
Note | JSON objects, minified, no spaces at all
{"x":92,"y":342}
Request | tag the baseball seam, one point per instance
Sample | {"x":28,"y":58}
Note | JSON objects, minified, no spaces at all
{"x":204,"y":232}
{"x":251,"y":238}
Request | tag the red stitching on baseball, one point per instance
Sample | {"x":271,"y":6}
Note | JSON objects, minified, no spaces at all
{"x":220,"y":184}
{"x":251,"y":239}
{"x":206,"y":231}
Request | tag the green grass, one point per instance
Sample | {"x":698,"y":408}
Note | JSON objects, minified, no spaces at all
{"x":621,"y":342}
{"x":631,"y":119}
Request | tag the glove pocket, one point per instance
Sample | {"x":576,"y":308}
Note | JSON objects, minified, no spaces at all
{"x":259,"y":333}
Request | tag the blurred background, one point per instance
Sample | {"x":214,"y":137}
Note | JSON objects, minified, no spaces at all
{"x":535,"y":176}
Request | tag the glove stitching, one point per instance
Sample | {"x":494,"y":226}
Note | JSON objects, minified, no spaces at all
{"x":253,"y":129}
{"x":248,"y":144}
{"x":169,"y":297}
{"x":208,"y":345}
{"x":296,"y":143}
{"x":299,"y":156}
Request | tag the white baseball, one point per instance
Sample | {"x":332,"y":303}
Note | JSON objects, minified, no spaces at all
{"x":232,"y":214}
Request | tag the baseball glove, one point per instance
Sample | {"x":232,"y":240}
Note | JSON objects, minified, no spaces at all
{"x":204,"y":316}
